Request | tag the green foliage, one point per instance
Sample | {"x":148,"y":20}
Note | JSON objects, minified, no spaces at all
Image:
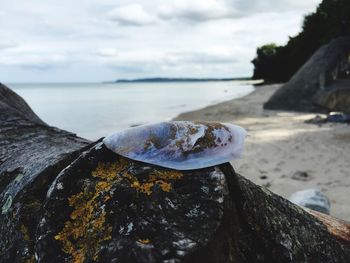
{"x":279,"y":63}
{"x":266,"y":61}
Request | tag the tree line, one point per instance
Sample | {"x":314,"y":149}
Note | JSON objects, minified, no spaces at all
{"x":275,"y":63}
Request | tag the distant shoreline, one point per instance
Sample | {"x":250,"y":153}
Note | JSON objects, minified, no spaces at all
{"x":143,"y":80}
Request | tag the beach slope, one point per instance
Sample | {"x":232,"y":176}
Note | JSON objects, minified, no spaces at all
{"x":285,"y":154}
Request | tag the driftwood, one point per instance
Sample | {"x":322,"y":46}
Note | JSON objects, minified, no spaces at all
{"x":64,"y":199}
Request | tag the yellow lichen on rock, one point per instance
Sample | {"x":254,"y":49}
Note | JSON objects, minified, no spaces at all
{"x":31,"y":260}
{"x":166,"y":187}
{"x":109,"y":171}
{"x":24,"y":231}
{"x":86,"y":229}
{"x":144,"y":241}
{"x":166,"y":175}
{"x":161,"y":178}
{"x":83,"y":233}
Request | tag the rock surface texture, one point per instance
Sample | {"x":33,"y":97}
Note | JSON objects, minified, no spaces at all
{"x":65,"y":200}
{"x":335,"y":98}
{"x":306,"y":89}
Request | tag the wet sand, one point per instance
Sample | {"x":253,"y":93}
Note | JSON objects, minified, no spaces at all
{"x":280,"y":147}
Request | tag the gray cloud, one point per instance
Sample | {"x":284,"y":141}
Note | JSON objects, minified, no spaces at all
{"x":198,"y":11}
{"x":5,"y":44}
{"x":204,"y":57}
{"x":168,"y":58}
{"x":199,"y":63}
{"x":131,"y":15}
{"x":195,"y":10}
{"x":93,"y":41}
{"x":250,"y":7}
{"x":39,"y":61}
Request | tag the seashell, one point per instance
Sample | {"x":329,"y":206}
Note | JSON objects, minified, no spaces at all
{"x":180,"y":145}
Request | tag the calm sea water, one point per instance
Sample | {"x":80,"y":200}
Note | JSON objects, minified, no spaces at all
{"x":96,"y":110}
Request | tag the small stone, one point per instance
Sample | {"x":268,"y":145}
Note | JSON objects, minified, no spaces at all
{"x":301,"y":176}
{"x":316,"y":120}
{"x":313,"y":199}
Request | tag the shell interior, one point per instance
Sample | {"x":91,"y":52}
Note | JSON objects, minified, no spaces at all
{"x":180,"y":145}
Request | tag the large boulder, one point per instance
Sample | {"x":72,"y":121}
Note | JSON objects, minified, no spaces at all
{"x":336,"y":98}
{"x":328,"y":64}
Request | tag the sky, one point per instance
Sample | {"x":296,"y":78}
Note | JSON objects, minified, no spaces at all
{"x":104,"y":40}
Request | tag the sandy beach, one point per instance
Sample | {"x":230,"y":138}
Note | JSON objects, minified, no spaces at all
{"x":285,"y":154}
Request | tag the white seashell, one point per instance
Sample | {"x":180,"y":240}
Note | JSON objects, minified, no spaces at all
{"x":180,"y":145}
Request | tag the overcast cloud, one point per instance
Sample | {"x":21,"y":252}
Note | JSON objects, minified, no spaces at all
{"x":94,"y":40}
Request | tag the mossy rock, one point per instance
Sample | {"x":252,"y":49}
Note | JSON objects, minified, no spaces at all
{"x":106,"y":208}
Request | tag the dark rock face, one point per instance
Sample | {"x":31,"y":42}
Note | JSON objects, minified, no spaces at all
{"x":15,"y":105}
{"x":335,"y":99}
{"x":106,"y":208}
{"x":31,"y":156}
{"x":326,"y":65}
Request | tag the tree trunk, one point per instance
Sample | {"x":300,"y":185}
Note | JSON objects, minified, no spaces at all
{"x":64,"y":199}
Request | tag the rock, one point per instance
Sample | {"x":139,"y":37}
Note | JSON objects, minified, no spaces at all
{"x":313,"y":199}
{"x":317,"y":120}
{"x":338,"y":117}
{"x":32,"y":154}
{"x":108,"y":208}
{"x":315,"y":75}
{"x":335,"y":117}
{"x":301,"y":176}
{"x":335,"y":98}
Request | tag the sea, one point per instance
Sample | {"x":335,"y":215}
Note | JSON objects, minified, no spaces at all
{"x":94,"y":110}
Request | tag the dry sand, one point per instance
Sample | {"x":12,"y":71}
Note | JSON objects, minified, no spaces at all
{"x":280,"y":145}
